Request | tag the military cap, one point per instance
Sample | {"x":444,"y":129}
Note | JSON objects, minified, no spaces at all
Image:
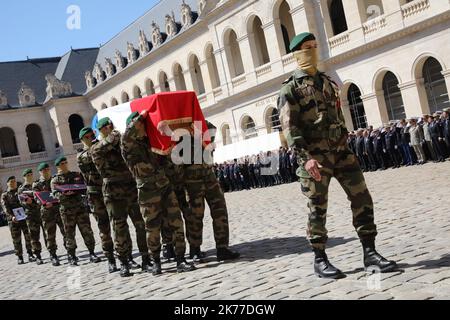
{"x":300,"y":39}
{"x":103,"y":123}
{"x":26,"y":171}
{"x":446,"y":110}
{"x":11,"y":178}
{"x":59,"y":160}
{"x":132,"y":116}
{"x":84,"y":131}
{"x":43,"y":166}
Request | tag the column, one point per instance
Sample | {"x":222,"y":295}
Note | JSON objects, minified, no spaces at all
{"x":446,"y":74}
{"x":414,"y":98}
{"x":22,"y":144}
{"x":355,"y":15}
{"x":187,"y":73}
{"x":172,"y":86}
{"x":303,"y":17}
{"x":347,"y":114}
{"x":273,"y":45}
{"x":247,"y":60}
{"x":223,"y":70}
{"x":326,"y":18}
{"x":375,"y":107}
{"x":206,"y":80}
{"x":393,"y":13}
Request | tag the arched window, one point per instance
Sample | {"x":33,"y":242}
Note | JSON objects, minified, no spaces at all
{"x":393,"y":97}
{"x":356,"y":107}
{"x":8,"y":144}
{"x":258,"y":43}
{"x":435,"y":85}
{"x":137,"y":93}
{"x":196,"y":75}
{"x":114,"y":102}
{"x":164,"y":82}
{"x":249,"y":128}
{"x":180,"y":82}
{"x":76,"y":123}
{"x":212,"y":66}
{"x":149,"y":87}
{"x":286,"y":25}
{"x":35,"y":140}
{"x":233,"y":53}
{"x":337,"y":16}
{"x":125,"y":97}
{"x":273,"y":123}
{"x":226,"y":135}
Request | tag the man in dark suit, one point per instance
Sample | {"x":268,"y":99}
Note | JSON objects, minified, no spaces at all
{"x":437,"y":137}
{"x":392,"y":146}
{"x":360,"y":151}
{"x":379,"y":148}
{"x":369,"y":151}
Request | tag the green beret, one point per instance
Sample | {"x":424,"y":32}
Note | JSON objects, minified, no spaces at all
{"x":11,"y":178}
{"x":43,"y":166}
{"x":132,"y":116}
{"x":59,"y":160}
{"x":103,"y":122}
{"x":26,"y":171}
{"x":299,"y":39}
{"x":84,"y":131}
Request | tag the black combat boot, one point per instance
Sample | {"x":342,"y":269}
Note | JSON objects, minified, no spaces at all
{"x":227,"y":254}
{"x":168,"y":252}
{"x":156,"y":270}
{"x":73,"y":260}
{"x":55,"y":260}
{"x":39,"y":259}
{"x":112,"y":267}
{"x":133,"y":265}
{"x":124,"y":268}
{"x":373,"y":261}
{"x":323,"y":268}
{"x":31,"y":257}
{"x":20,"y":260}
{"x":146,"y":264}
{"x":183,"y":265}
{"x":196,"y":254}
{"x":93,"y":257}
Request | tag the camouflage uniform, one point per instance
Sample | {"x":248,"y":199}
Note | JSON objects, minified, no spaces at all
{"x":73,"y":213}
{"x":97,"y":205}
{"x":10,"y":201}
{"x":51,"y":217}
{"x":313,"y":124}
{"x":33,"y":213}
{"x":120,"y":195}
{"x":156,"y":197}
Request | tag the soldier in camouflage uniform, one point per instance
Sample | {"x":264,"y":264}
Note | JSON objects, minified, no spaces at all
{"x":313,"y":124}
{"x":49,"y":213}
{"x":33,"y":212}
{"x":120,"y":195}
{"x":72,"y":213}
{"x":156,"y":197}
{"x":94,"y":184}
{"x":9,"y":202}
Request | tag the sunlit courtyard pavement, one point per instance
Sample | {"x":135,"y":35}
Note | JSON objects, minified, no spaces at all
{"x":268,"y":228}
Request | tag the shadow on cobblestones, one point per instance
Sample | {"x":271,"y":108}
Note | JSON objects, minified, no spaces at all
{"x":6,"y":253}
{"x":442,"y":262}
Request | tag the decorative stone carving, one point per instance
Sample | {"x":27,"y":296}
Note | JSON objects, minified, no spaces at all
{"x":26,"y":96}
{"x":3,"y":99}
{"x":98,"y":72}
{"x":171,"y":25}
{"x":120,"y":64}
{"x":90,"y":80}
{"x":186,"y":16}
{"x":131,"y":53}
{"x":144,"y":48}
{"x":201,"y":6}
{"x":110,"y":68}
{"x":156,"y":35}
{"x":57,"y":88}
{"x":205,"y":6}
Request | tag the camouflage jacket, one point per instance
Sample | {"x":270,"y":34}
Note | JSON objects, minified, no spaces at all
{"x":67,"y":202}
{"x":141,"y":161}
{"x":26,"y":191}
{"x":40,"y":186}
{"x":10,"y":201}
{"x":89,"y":171}
{"x":311,"y":118}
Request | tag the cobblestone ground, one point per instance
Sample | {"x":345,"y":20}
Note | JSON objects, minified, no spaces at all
{"x":268,"y":228}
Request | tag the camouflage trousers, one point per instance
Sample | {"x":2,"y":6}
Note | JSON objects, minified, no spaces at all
{"x":73,"y":217}
{"x":159,"y":207}
{"x":51,"y":219}
{"x":34,"y":223}
{"x":180,"y":193}
{"x":17,"y":229}
{"x":201,"y":183}
{"x":343,"y":166}
{"x":121,"y":203}
{"x":98,"y":209}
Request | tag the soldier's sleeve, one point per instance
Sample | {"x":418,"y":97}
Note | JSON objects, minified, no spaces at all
{"x":289,"y":116}
{"x":5,"y":206}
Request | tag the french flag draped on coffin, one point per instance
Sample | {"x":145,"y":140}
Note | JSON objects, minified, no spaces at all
{"x":176,"y":110}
